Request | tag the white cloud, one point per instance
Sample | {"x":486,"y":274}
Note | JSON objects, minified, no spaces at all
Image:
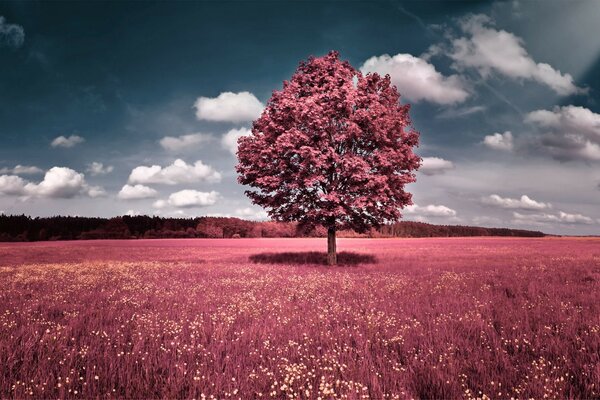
{"x":229,"y":107}
{"x":435,"y":165}
{"x":430,"y":210}
{"x":11,"y":35}
{"x":178,"y":172}
{"x":524,"y":203}
{"x":489,"y":50}
{"x":129,"y":192}
{"x":133,"y":213}
{"x":499,"y":141}
{"x":12,"y":185}
{"x":251,"y":214}
{"x":229,"y":140}
{"x":193,"y":198}
{"x":544,"y":218}
{"x":58,"y":182}
{"x":98,"y":168}
{"x":67,"y":142}
{"x":569,"y":132}
{"x":460,"y":112}
{"x":418,"y":80}
{"x":184,"y":142}
{"x":22,"y":170}
{"x":95,"y":191}
{"x":160,"y":204}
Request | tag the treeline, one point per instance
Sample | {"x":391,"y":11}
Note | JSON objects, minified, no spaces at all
{"x":21,"y":228}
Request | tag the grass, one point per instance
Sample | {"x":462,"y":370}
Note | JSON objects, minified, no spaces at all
{"x":260,"y":318}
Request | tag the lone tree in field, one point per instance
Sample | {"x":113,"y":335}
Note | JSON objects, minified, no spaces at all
{"x":333,"y":148}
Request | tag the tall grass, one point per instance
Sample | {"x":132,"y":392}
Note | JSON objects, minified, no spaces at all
{"x":432,"y":318}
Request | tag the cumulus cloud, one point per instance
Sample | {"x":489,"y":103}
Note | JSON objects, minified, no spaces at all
{"x":62,"y":182}
{"x":176,"y":173}
{"x":568,"y":132}
{"x":95,"y":191}
{"x":22,"y":170}
{"x":417,"y":80}
{"x":435,"y":165}
{"x":500,"y":141}
{"x":58,"y":182}
{"x":193,"y":198}
{"x":229,"y":107}
{"x":12,"y":185}
{"x":489,"y":50}
{"x":251,"y":214}
{"x":544,"y":218}
{"x":524,"y":203}
{"x":67,"y":142}
{"x":430,"y":210}
{"x":160,"y":204}
{"x":98,"y":168}
{"x":129,"y":192}
{"x":229,"y":140}
{"x":184,"y":142}
{"x":11,"y":35}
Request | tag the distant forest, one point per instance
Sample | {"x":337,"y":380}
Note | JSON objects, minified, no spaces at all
{"x":22,"y":228}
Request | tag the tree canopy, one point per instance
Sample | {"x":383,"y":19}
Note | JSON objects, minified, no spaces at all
{"x":333,"y":148}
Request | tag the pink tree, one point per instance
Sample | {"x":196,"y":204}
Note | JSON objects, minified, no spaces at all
{"x":333,"y":148}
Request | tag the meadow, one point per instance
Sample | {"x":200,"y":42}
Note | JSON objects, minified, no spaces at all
{"x":262,"y":318}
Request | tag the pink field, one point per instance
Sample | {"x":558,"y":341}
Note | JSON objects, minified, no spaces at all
{"x":404,"y":318}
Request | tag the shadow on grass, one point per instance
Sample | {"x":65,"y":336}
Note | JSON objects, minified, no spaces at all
{"x":312,"y":257}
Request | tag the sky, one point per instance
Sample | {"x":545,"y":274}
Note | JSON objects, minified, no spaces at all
{"x":114,"y":108}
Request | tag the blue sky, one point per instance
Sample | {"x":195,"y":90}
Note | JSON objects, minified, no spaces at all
{"x":110,"y":108}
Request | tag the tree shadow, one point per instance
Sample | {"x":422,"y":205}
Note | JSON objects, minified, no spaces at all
{"x":312,"y":257}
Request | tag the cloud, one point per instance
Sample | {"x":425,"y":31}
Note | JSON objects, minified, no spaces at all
{"x":58,"y":182}
{"x":11,"y":35}
{"x":499,"y":141}
{"x":435,"y":165}
{"x":98,"y":168}
{"x":160,"y":204}
{"x":133,"y":213}
{"x":67,"y":142}
{"x":524,"y":203}
{"x":460,"y":112}
{"x":179,"y":143}
{"x":561,"y":218}
{"x":22,"y":170}
{"x":12,"y":185}
{"x":417,"y":80}
{"x":95,"y":191}
{"x":229,"y":140}
{"x":62,"y":182}
{"x":229,"y":107}
{"x":430,"y":210}
{"x":136,"y":192}
{"x":252,"y":214}
{"x":193,"y":198}
{"x":489,"y":50}
{"x":176,"y":173}
{"x":568,"y":132}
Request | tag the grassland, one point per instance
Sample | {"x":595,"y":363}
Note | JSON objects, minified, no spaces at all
{"x":256,"y":318}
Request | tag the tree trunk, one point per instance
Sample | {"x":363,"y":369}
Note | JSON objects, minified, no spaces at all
{"x":331,"y":250}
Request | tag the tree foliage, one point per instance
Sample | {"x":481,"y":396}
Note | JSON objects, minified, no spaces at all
{"x":333,"y":148}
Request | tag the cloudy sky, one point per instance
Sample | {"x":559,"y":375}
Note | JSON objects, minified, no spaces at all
{"x":115,"y":108}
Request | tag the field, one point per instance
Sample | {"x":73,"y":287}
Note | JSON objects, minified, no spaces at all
{"x":256,"y":318}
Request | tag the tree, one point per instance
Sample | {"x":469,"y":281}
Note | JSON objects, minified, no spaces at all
{"x":333,"y":148}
